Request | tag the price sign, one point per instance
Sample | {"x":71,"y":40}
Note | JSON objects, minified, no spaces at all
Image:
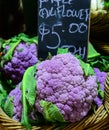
{"x":65,"y":24}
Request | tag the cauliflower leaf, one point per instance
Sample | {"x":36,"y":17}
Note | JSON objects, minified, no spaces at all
{"x":100,"y":92}
{"x":51,"y":112}
{"x":9,"y":106}
{"x":62,"y":50}
{"x":95,"y":59}
{"x":88,"y":70}
{"x":13,"y":43}
{"x":28,"y":88}
{"x":92,"y":53}
{"x":3,"y":95}
{"x":27,"y":39}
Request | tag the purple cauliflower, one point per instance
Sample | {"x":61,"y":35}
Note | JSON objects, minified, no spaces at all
{"x":101,"y":77}
{"x":61,"y":81}
{"x":24,"y":56}
{"x":13,"y":104}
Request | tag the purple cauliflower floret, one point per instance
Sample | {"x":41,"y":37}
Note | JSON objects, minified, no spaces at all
{"x":16,"y":94}
{"x":24,"y":56}
{"x":61,"y":80}
{"x":101,"y":77}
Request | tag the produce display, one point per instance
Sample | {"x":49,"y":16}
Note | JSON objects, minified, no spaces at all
{"x":60,"y":89}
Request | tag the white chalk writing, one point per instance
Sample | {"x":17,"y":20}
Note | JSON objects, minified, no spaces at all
{"x":80,"y":50}
{"x":82,"y":14}
{"x":77,"y":25}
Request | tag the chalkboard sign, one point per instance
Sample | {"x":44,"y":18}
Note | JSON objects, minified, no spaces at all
{"x":65,"y":24}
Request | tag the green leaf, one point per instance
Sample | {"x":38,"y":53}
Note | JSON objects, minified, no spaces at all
{"x":28,"y":94}
{"x":62,"y":50}
{"x":101,"y":62}
{"x":9,"y":107}
{"x":3,"y":95}
{"x":101,"y":93}
{"x":8,"y":55}
{"x":94,"y":107}
{"x":28,"y":39}
{"x":49,"y":56}
{"x":88,"y":70}
{"x":51,"y":112}
{"x":92,"y":53}
{"x":95,"y":59}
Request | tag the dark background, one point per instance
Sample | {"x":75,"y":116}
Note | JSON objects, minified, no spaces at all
{"x":15,"y":19}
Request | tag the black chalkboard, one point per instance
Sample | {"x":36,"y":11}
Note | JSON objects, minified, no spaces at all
{"x":65,"y":24}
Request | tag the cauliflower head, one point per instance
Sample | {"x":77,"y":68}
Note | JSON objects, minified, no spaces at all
{"x":61,"y":81}
{"x":13,"y":105}
{"x":101,"y":77}
{"x":24,"y":56}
